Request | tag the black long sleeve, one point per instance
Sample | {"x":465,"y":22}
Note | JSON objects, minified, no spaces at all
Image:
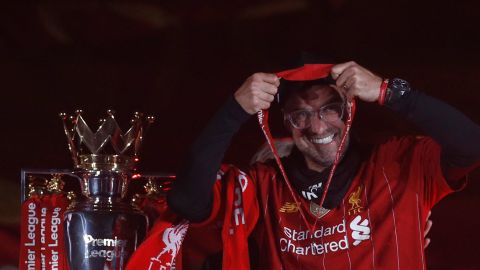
{"x":191,"y":195}
{"x":457,"y":135}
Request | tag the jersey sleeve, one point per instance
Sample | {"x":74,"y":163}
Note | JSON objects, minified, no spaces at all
{"x":432,"y":182}
{"x":420,"y":165}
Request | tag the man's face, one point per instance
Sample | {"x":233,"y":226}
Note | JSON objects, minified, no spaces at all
{"x":318,"y":142}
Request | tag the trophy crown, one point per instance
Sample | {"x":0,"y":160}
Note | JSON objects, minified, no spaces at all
{"x":108,"y":147}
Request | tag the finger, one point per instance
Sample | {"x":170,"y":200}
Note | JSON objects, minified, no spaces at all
{"x":338,"y":69}
{"x":428,"y":226}
{"x":429,"y":214}
{"x":344,"y":78}
{"x":269,"y":78}
{"x":427,"y":242}
{"x":262,"y":105}
{"x":349,"y":95}
{"x":347,"y":90}
{"x":269,"y":88}
{"x":264,"y":96}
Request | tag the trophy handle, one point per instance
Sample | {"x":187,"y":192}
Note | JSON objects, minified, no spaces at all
{"x":26,"y":174}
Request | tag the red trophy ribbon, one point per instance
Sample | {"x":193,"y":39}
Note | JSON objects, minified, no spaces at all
{"x":42,"y":242}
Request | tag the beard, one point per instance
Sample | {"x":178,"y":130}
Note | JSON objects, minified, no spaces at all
{"x":322,"y":155}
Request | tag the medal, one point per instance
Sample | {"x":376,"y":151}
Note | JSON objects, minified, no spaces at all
{"x":317,"y":210}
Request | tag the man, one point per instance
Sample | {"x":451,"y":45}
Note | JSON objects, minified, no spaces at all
{"x":331,"y":205}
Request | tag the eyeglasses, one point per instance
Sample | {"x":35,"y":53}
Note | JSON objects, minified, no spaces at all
{"x":302,"y":119}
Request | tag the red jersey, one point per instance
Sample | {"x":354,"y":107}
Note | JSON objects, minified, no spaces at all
{"x":378,"y":225}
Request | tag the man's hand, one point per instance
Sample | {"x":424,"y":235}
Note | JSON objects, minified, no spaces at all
{"x":257,"y":92}
{"x":353,"y":80}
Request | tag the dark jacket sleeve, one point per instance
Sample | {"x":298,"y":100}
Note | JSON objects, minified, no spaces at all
{"x":191,"y":195}
{"x":457,"y":135}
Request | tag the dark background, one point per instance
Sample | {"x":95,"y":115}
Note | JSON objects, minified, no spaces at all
{"x":179,"y":60}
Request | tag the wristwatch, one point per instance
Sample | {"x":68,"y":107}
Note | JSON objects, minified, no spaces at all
{"x":396,"y":89}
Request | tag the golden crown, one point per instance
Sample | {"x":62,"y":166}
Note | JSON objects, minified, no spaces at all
{"x":108,"y":147}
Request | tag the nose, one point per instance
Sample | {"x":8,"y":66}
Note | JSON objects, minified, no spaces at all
{"x":318,"y":125}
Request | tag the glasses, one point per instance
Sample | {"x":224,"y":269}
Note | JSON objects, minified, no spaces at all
{"x":302,"y":119}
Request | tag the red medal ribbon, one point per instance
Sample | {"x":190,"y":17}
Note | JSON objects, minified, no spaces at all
{"x":306,"y":72}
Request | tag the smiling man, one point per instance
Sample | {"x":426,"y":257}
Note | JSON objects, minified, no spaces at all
{"x":314,"y":116}
{"x":375,"y":209}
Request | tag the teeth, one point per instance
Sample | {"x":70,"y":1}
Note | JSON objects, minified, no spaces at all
{"x":325,"y":140}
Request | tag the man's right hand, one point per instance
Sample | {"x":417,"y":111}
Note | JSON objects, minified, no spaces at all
{"x":257,"y":92}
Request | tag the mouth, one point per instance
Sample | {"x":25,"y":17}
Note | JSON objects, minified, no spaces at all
{"x":324,"y":140}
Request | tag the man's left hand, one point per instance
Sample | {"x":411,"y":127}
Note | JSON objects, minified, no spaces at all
{"x":353,"y":80}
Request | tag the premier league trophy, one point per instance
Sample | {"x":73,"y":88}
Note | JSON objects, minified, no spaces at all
{"x":102,"y":227}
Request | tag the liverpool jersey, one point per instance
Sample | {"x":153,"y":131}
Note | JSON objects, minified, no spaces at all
{"x":378,"y":225}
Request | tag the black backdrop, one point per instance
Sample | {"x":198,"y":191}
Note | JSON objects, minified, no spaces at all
{"x":179,"y":60}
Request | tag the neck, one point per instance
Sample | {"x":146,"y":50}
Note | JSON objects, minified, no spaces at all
{"x":314,"y":166}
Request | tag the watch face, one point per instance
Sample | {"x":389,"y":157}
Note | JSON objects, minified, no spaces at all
{"x":400,"y":85}
{"x":396,"y":89}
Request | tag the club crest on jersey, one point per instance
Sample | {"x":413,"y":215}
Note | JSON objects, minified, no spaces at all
{"x":355,"y":201}
{"x":289,"y":207}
